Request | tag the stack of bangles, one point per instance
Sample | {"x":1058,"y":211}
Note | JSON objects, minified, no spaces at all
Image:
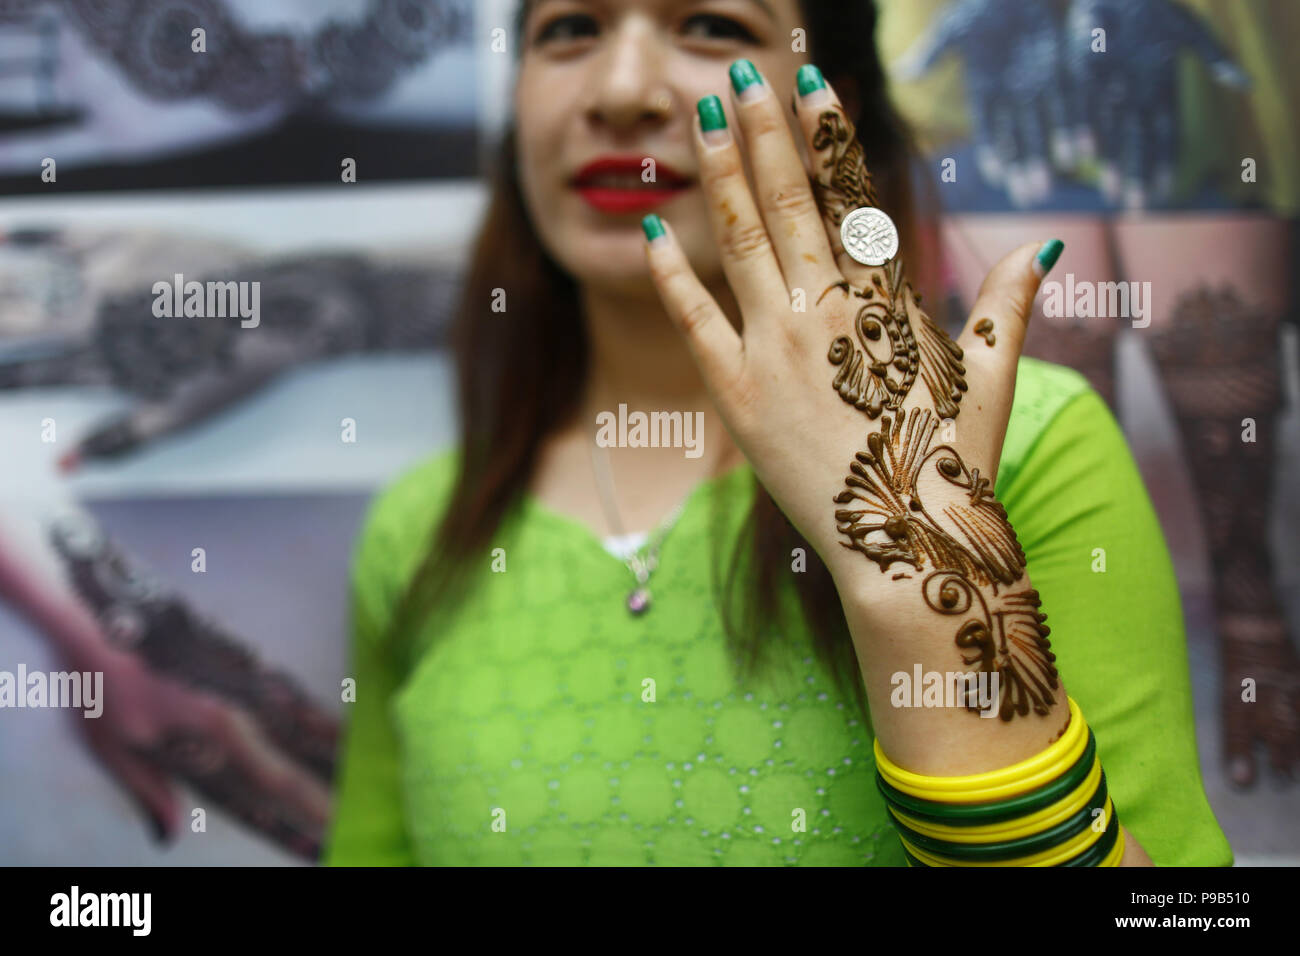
{"x":1041,"y":811}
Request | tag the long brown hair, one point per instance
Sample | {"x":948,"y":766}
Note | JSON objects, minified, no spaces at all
{"x":512,"y":398}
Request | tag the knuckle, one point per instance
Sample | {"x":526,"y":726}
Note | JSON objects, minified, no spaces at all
{"x":792,"y":342}
{"x":764,"y":121}
{"x":694,"y":318}
{"x":664,"y":273}
{"x":287,"y":787}
{"x":720,"y":170}
{"x":745,"y":241}
{"x":216,"y":719}
{"x":742,"y":398}
{"x":791,"y":200}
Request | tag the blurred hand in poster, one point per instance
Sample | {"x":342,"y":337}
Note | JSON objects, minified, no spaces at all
{"x":182,"y":702}
{"x":1123,"y":63}
{"x":1015,"y":90}
{"x":1073,"y":86}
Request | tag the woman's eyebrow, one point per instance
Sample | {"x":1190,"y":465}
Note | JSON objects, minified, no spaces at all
{"x":761,"y":4}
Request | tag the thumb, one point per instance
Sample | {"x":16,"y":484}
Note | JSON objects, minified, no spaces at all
{"x":1005,"y":302}
{"x":148,"y":786}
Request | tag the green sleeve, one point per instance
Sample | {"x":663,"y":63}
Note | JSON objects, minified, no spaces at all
{"x":1075,"y":499}
{"x":368,"y":827}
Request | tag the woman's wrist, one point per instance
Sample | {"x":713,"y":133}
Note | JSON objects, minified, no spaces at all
{"x":952,"y":693}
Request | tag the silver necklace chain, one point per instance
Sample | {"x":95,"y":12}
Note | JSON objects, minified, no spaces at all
{"x":643,"y":561}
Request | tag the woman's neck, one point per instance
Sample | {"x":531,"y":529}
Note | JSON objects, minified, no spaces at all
{"x":640,"y":360}
{"x":637,"y":357}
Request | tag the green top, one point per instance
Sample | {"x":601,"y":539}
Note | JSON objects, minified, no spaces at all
{"x":521,"y":737}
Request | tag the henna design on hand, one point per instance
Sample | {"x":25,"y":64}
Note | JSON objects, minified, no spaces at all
{"x":911,"y":501}
{"x":892,"y":317}
{"x":875,"y":382}
{"x":849,"y":184}
{"x":967,"y":540}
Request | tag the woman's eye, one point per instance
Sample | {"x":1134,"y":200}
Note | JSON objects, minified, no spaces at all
{"x":718,"y":28}
{"x":566,"y":28}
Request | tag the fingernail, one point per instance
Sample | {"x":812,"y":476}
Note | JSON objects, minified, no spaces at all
{"x":653,"y":226}
{"x":812,"y":86}
{"x":713,"y":121}
{"x":745,"y":80}
{"x":1047,"y":256}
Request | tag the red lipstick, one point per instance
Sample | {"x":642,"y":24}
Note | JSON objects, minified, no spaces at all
{"x":615,"y":184}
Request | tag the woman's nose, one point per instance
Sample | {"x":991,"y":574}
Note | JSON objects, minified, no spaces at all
{"x":629,"y":85}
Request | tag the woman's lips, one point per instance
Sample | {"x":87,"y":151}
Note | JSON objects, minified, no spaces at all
{"x":611,"y":199}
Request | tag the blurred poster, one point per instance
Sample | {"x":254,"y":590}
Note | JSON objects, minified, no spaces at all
{"x":165,"y":94}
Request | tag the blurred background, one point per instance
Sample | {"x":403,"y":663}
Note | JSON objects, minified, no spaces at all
{"x":333,"y":150}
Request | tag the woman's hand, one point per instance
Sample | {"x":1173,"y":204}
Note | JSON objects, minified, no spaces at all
{"x":876,"y":434}
{"x":155,"y":730}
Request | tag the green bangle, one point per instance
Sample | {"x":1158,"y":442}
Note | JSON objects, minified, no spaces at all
{"x":977,"y":814}
{"x":913,"y":860}
{"x":1011,"y":849}
{"x":1089,"y":857}
{"x":1098,"y":851}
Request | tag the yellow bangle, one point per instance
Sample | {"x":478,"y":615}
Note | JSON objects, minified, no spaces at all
{"x":1018,"y":778}
{"x":1036,"y":822}
{"x":1051,"y":857}
{"x":1021,"y":777}
{"x":1116,"y":852}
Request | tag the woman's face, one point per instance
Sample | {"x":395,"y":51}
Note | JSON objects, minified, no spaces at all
{"x":618,"y":80}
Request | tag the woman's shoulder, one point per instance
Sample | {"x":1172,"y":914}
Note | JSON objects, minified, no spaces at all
{"x":1043,"y":391}
{"x":404,"y":510}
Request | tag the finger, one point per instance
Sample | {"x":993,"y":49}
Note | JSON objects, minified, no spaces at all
{"x":231,"y":791}
{"x":1010,"y":147}
{"x":218,"y":741}
{"x":1034,"y":150}
{"x":1238,"y":742}
{"x":748,"y":258}
{"x":296,"y":790}
{"x":785,"y":196}
{"x":1281,"y":735}
{"x":994,"y":335}
{"x":841,"y":181}
{"x":148,"y":786}
{"x":713,"y":342}
{"x":983,"y":109}
{"x":894,"y":346}
{"x":1005,"y":301}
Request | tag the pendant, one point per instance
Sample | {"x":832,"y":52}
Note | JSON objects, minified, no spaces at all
{"x":638,"y":601}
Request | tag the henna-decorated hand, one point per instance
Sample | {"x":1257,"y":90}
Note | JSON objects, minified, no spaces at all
{"x":1259,"y":651}
{"x":155,"y":730}
{"x":180,"y":702}
{"x":849,"y":411}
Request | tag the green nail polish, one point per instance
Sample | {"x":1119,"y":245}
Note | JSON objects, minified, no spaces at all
{"x":809,"y":78}
{"x":653,"y":226}
{"x":1048,"y":255}
{"x":711,"y":115}
{"x":743,"y":76}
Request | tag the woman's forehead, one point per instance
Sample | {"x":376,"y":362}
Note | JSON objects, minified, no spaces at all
{"x":771,"y":8}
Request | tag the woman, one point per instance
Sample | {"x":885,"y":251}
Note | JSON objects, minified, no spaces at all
{"x":831,"y":544}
